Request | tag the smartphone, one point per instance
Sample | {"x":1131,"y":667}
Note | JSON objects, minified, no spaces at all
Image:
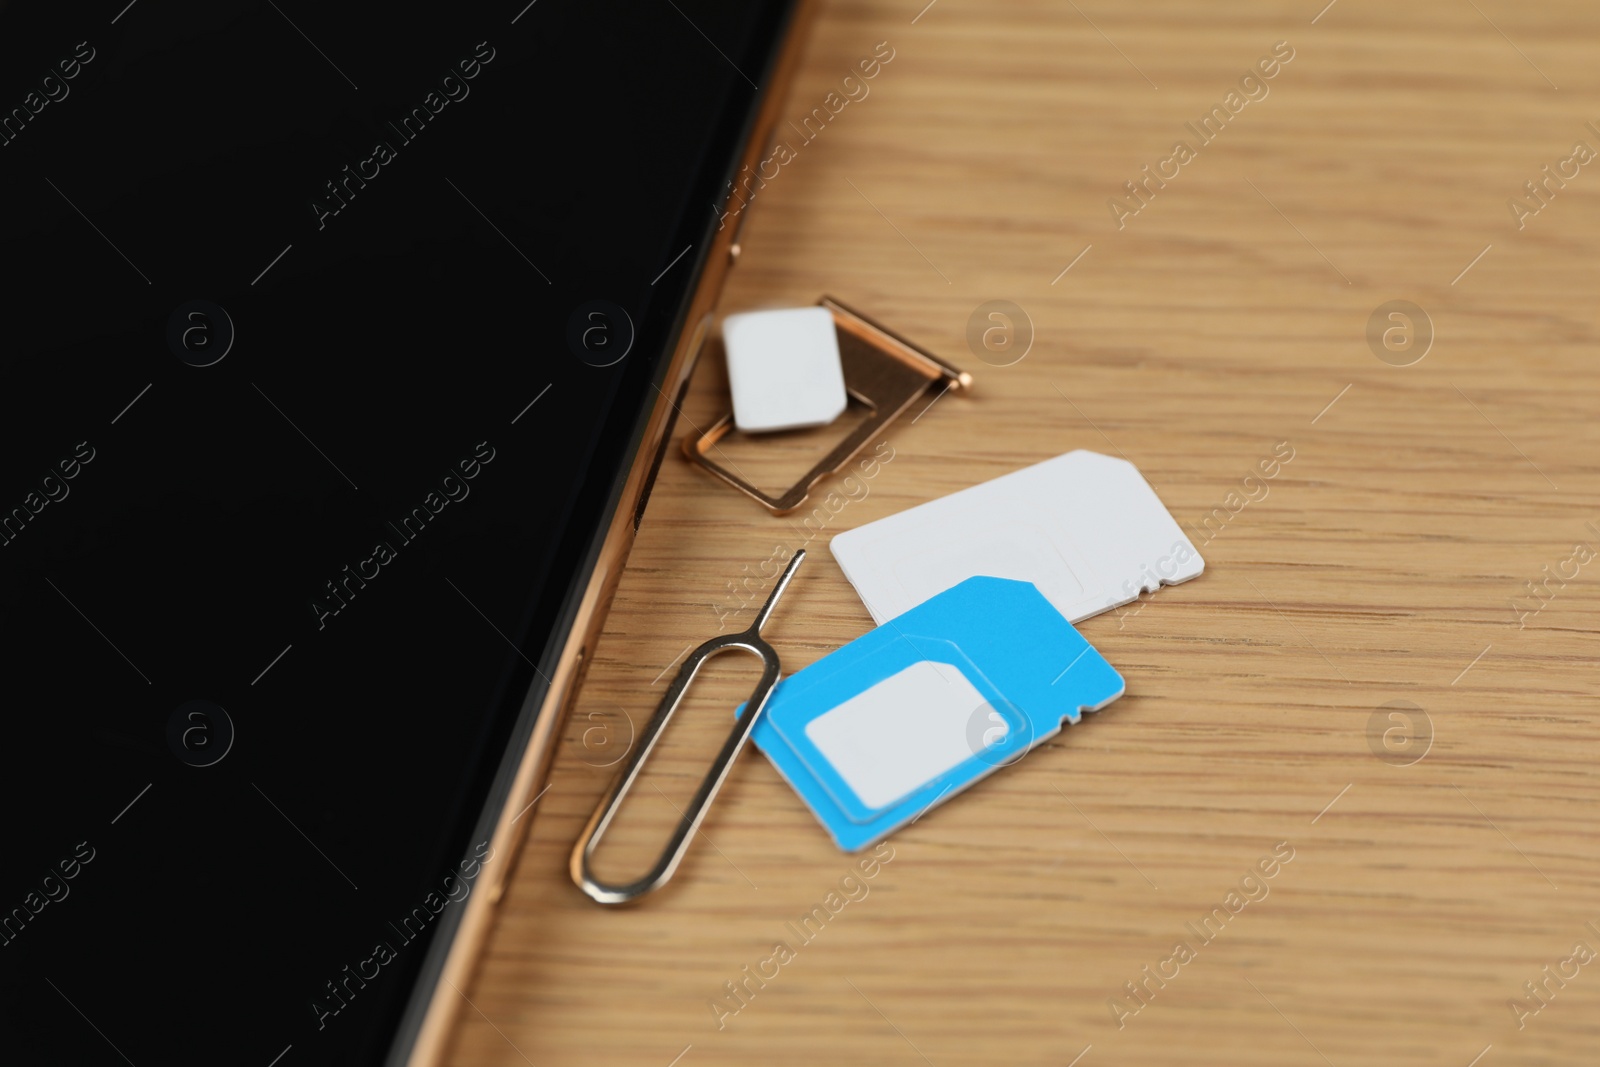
{"x":341,"y":347}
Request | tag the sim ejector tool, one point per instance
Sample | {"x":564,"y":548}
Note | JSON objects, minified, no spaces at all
{"x":749,"y":640}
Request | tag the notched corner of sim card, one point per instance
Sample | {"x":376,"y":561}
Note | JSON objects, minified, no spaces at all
{"x":1185,"y":560}
{"x":1107,"y":700}
{"x":1122,"y":488}
{"x":1096,"y":686}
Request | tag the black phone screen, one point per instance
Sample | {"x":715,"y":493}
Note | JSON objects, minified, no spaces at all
{"x":327,"y":335}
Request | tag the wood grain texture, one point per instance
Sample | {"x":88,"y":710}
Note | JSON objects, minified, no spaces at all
{"x":1381,"y":565}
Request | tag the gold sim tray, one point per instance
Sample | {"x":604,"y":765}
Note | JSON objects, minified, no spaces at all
{"x":749,"y":640}
{"x":883,"y":370}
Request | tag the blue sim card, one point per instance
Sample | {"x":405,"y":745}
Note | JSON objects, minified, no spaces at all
{"x":875,"y":734}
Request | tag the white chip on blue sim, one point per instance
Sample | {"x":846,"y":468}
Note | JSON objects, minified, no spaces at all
{"x":784,"y":369}
{"x":878,"y":732}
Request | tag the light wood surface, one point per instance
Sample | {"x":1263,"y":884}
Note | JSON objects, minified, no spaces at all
{"x":1226,"y":317}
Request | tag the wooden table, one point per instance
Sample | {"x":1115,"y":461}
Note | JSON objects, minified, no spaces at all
{"x":1387,"y":561}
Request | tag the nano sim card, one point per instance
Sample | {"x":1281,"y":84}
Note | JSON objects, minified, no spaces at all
{"x":784,"y":368}
{"x":879,"y":731}
{"x":1086,"y":529}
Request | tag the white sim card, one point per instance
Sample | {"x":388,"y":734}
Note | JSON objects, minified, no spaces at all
{"x":784,"y":369}
{"x":1086,"y":529}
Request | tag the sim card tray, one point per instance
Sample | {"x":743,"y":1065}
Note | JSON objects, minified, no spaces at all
{"x":749,"y":640}
{"x":882,"y":370}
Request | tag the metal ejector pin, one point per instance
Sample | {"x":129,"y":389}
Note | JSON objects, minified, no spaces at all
{"x":749,"y":640}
